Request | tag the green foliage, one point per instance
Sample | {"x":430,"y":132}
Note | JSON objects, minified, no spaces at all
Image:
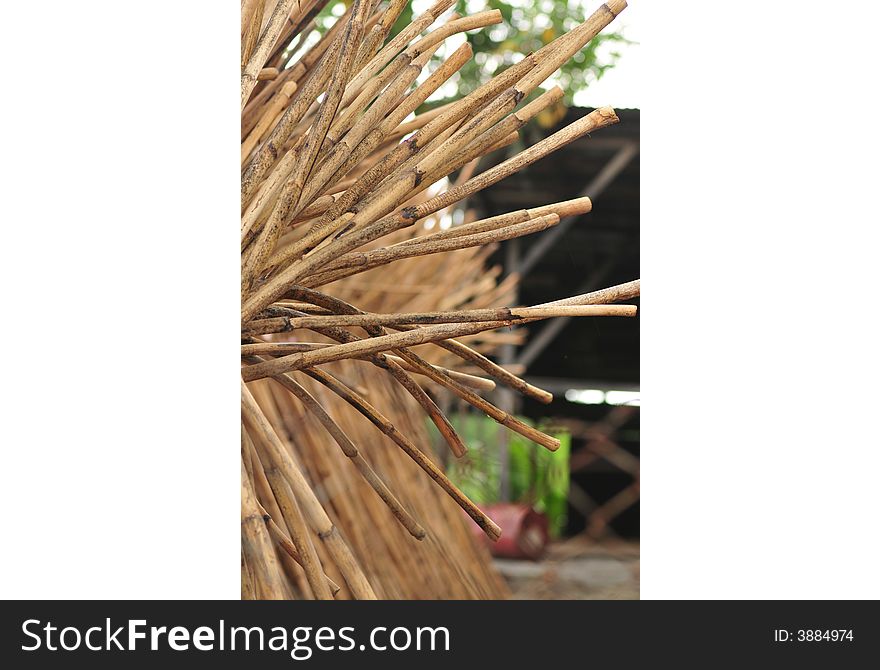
{"x":528,"y":25}
{"x":537,"y":477}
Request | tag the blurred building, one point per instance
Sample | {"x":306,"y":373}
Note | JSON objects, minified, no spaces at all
{"x":590,"y":364}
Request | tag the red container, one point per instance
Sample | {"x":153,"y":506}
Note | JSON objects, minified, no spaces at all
{"x":524,"y":532}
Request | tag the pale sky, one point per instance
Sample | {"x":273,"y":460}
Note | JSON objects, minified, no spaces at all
{"x":620,"y":86}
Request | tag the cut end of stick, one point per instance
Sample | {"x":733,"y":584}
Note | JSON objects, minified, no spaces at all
{"x":551,"y":443}
{"x":491,"y":529}
{"x":608,"y":115}
{"x":616,"y":6}
{"x":566,"y":208}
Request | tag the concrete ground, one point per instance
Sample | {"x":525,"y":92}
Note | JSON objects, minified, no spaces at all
{"x":577,"y":569}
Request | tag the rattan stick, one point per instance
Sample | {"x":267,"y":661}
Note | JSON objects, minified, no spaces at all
{"x":400,"y":375}
{"x":299,"y":533}
{"x":373,"y":345}
{"x":323,"y":227}
{"x":263,"y":48}
{"x":289,"y":472}
{"x":256,"y":544}
{"x":599,"y":118}
{"x":284,"y":348}
{"x":354,"y":263}
{"x":502,"y":417}
{"x":511,"y":314}
{"x":397,"y":43}
{"x":351,"y":451}
{"x":289,"y":547}
{"x":265,"y":242}
{"x":387,"y":427}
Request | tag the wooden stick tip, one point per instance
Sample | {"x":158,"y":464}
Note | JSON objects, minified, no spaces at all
{"x":608,"y":114}
{"x":575,"y":207}
{"x":616,"y":6}
{"x":496,"y":16}
{"x":492,"y":530}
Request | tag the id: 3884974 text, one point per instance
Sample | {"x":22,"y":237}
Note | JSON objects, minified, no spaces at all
{"x":813,"y":635}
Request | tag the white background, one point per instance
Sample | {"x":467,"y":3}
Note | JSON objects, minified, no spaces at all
{"x":120,"y":284}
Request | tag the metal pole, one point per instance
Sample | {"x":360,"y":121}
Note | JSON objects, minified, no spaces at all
{"x":546,"y":335}
{"x":506,"y":397}
{"x":599,"y":183}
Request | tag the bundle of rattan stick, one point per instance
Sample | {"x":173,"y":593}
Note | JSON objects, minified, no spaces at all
{"x":338,"y":176}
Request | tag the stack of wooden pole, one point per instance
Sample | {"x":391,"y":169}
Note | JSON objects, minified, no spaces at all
{"x":339,"y":177}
